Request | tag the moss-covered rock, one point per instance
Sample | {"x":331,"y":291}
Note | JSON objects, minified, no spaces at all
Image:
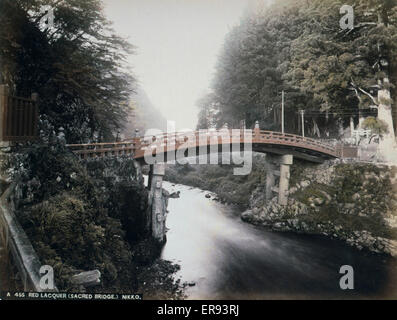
{"x":353,"y":202}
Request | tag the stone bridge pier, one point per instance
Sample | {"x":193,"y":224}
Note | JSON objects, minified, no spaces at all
{"x":277,"y":184}
{"x":157,"y":203}
{"x":277,"y":177}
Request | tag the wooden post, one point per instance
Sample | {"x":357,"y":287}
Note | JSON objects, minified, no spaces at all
{"x":303,"y":122}
{"x":257,"y":132}
{"x":4,"y":90}
{"x":35,"y":120}
{"x":242,"y":130}
{"x":282,"y":112}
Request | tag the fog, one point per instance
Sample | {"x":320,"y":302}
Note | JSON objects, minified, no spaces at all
{"x":177,"y":43}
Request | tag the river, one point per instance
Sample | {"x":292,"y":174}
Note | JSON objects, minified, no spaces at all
{"x":228,"y":259}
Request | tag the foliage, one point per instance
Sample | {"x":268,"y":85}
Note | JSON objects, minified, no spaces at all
{"x":75,"y":221}
{"x":76,"y":66}
{"x":143,"y":115}
{"x":298,"y":46}
{"x":377,"y":126}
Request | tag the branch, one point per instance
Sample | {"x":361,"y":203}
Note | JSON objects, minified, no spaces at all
{"x":355,"y":88}
{"x":358,"y":96}
{"x":54,"y":5}
{"x":363,"y":24}
{"x":369,"y":95}
{"x":358,"y":26}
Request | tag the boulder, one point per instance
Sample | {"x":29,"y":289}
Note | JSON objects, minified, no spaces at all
{"x":305,"y":184}
{"x":390,"y":247}
{"x":247,"y":215}
{"x":356,"y":197}
{"x":175,"y":195}
{"x":318,"y":201}
{"x":327,"y":196}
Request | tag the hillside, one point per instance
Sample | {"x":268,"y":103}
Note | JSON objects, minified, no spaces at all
{"x":143,"y":115}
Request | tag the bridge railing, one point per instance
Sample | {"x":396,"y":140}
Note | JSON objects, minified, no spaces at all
{"x":201,"y":138}
{"x":258,"y":136}
{"x":294,"y":140}
{"x":91,"y":150}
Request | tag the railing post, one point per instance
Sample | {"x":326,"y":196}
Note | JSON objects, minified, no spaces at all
{"x":257,"y":132}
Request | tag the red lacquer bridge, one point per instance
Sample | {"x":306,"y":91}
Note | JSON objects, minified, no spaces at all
{"x":280,"y":151}
{"x":262,"y":141}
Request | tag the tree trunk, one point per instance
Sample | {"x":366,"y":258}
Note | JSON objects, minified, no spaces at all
{"x":387,"y":145}
{"x":316,"y":130}
{"x":361,"y":119}
{"x":385,"y":110}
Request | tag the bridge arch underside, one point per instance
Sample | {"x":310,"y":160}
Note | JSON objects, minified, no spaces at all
{"x":170,"y":154}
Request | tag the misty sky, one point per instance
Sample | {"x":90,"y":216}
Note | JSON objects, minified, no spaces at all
{"x":177,"y":42}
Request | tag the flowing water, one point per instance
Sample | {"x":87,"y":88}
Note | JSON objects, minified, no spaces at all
{"x":226,"y":258}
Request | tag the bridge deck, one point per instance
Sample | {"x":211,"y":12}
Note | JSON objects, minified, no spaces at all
{"x":262,"y":141}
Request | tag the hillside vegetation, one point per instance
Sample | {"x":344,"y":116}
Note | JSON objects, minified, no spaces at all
{"x":299,"y":46}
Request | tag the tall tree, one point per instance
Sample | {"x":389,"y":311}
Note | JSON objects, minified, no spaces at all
{"x":348,"y":70}
{"x":251,"y":70}
{"x":299,"y":46}
{"x":208,"y":112}
{"x":77,"y":65}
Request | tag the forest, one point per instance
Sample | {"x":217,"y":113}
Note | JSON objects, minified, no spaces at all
{"x":330,"y":73}
{"x":77,"y":66}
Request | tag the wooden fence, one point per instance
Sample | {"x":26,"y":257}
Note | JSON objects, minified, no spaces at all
{"x":348,"y":151}
{"x":18,"y":117}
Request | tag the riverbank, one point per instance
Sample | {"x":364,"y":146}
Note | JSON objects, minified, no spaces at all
{"x":222,"y":257}
{"x":89,"y":216}
{"x":356,"y":203}
{"x":229,"y":189}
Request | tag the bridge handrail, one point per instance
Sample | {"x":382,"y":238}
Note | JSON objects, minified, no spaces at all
{"x":281,"y":136}
{"x":98,"y":144}
{"x":165,"y":139}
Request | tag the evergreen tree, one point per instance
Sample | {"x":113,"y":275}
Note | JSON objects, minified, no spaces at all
{"x":76,"y":65}
{"x":348,"y":71}
{"x":298,"y":46}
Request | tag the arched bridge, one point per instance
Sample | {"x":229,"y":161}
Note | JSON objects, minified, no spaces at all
{"x":280,"y":149}
{"x":262,"y":141}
